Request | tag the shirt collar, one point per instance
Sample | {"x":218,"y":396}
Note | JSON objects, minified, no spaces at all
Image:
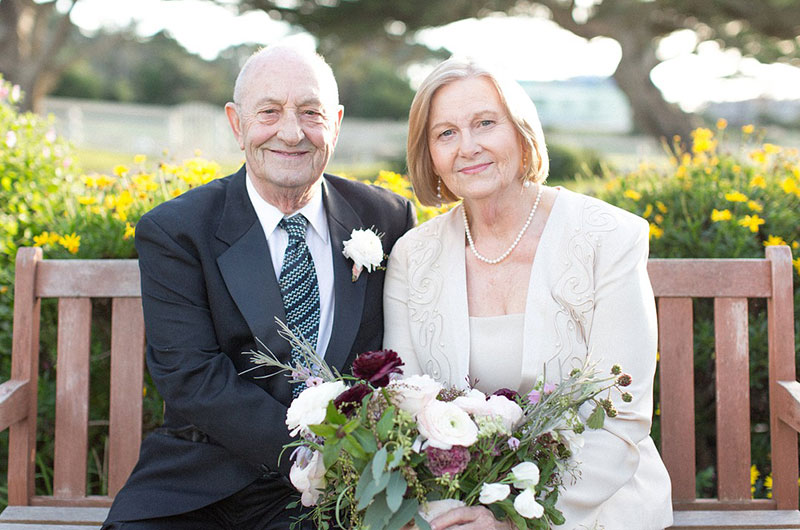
{"x":270,"y":216}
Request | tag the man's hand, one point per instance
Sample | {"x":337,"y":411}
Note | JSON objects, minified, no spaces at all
{"x":470,"y":518}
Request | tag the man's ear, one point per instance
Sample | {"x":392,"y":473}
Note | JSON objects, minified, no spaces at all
{"x":338,"y":123}
{"x":236,"y":126}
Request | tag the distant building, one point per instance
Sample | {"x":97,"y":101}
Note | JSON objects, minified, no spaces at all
{"x":581,"y":104}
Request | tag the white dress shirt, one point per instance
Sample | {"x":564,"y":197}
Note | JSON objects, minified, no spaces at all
{"x":319,"y":244}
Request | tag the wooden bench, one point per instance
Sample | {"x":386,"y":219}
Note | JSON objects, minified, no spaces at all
{"x":675,"y":283}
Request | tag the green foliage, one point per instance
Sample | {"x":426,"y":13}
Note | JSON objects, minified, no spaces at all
{"x":48,"y":203}
{"x":567,"y":162}
{"x":724,"y":198}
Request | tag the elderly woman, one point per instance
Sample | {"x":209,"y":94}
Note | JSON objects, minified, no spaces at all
{"x":520,"y":276}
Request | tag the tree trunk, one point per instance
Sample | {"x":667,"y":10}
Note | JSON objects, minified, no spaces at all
{"x":652,"y":114}
{"x":634,"y":26}
{"x":31,"y":37}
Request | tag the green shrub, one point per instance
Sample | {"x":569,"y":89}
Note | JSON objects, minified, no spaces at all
{"x":724,"y":198}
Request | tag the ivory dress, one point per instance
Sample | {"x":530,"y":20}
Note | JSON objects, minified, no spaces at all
{"x":589,"y":295}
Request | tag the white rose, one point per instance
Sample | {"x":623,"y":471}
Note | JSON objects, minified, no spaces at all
{"x":310,"y":406}
{"x":526,"y":474}
{"x":499,"y":407}
{"x":525,"y":504}
{"x":414,"y":392}
{"x":493,"y":493}
{"x":308,"y":476}
{"x":364,"y":248}
{"x":445,"y":425}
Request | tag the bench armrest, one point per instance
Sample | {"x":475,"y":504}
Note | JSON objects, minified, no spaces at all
{"x":789,"y":403}
{"x":13,"y":402}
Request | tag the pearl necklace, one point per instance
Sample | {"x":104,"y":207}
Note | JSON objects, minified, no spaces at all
{"x":505,"y":254}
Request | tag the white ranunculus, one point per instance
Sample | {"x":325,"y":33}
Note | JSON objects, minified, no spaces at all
{"x":500,"y":407}
{"x":493,"y":493}
{"x":414,"y":392}
{"x":444,"y":425}
{"x":365,"y":249}
{"x":310,"y":406}
{"x":526,"y":474}
{"x":525,"y":504}
{"x":308,"y":476}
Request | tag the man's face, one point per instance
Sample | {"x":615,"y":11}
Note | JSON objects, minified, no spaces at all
{"x":286,"y":122}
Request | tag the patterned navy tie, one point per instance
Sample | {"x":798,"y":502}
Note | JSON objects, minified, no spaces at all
{"x":299,"y":289}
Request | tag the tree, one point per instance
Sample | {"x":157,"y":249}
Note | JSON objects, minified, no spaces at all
{"x":765,"y":30}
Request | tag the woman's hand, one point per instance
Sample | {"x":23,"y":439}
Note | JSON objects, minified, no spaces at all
{"x":470,"y":518}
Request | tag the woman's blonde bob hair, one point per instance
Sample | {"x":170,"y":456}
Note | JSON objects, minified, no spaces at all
{"x":518,"y":105}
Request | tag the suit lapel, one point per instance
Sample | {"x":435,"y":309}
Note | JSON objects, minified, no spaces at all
{"x":348,"y":295}
{"x":246,"y":267}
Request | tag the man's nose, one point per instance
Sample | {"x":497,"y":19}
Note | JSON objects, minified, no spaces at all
{"x":289,"y":129}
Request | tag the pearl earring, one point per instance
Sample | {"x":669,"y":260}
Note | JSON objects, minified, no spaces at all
{"x":439,"y":189}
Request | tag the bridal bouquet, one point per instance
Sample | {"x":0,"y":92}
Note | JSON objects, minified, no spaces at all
{"x":378,"y":450}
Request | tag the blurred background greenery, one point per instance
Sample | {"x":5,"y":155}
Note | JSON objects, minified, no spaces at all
{"x":100,"y":120}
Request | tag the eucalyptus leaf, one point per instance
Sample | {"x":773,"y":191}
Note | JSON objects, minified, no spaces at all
{"x":372,"y":489}
{"x":379,"y":462}
{"x":395,"y":490}
{"x":377,"y":514}
{"x":403,"y":515}
{"x":421,"y":522}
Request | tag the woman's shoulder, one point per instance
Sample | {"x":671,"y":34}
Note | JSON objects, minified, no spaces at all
{"x":593,"y":214}
{"x":432,"y":229}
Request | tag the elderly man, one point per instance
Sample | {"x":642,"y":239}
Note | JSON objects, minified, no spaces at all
{"x":219,"y":264}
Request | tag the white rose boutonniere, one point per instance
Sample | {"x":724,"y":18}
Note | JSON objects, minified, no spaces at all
{"x":365,"y":249}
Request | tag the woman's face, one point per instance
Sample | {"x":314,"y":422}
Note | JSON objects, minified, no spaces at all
{"x":474,"y":146}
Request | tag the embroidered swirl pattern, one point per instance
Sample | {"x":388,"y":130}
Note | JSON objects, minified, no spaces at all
{"x":424,"y":291}
{"x":574,"y":290}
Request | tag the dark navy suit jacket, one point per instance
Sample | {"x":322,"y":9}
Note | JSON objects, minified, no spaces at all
{"x":208,"y":290}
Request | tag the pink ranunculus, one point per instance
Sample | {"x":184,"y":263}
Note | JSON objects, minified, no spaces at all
{"x":476,"y":403}
{"x":414,"y":392}
{"x":445,"y":424}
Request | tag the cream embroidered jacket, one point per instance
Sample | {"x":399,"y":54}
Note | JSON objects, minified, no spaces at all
{"x":589,"y":294}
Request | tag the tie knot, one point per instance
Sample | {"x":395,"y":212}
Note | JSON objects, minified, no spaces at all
{"x":295,"y":226}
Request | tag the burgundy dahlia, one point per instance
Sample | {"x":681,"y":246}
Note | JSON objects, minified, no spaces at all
{"x":507,"y":393}
{"x":348,"y":400}
{"x":452,"y":461}
{"x":376,"y":366}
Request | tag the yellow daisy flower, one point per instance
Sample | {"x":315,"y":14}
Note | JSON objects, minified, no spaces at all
{"x":752,"y":222}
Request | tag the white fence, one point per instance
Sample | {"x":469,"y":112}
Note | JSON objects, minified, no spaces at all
{"x":186,"y":128}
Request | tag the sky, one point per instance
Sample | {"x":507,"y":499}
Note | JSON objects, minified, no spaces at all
{"x":527,"y":48}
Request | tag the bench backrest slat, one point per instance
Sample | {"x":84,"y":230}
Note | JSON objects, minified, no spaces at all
{"x":127,"y":373}
{"x":87,"y":278}
{"x":710,"y":278}
{"x":677,"y":394}
{"x":733,"y":398}
{"x":783,"y":439}
{"x":72,"y":397}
